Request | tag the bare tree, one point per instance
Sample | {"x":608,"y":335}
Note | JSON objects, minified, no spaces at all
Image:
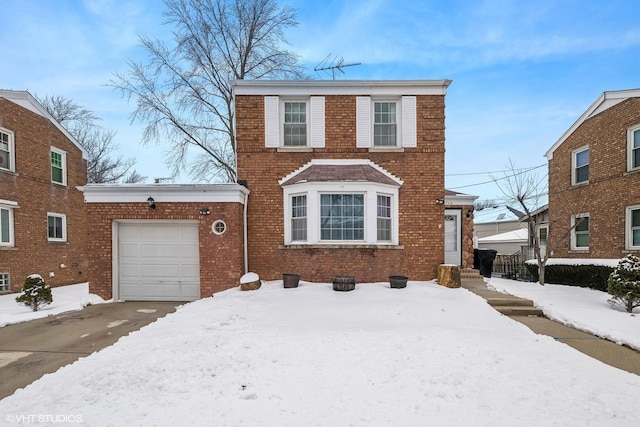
{"x":82,"y":124}
{"x":526,"y":189}
{"x":183,"y":93}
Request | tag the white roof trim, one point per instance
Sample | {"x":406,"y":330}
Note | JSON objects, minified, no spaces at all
{"x":340,"y":87}
{"x":25,"y":100}
{"x":342,"y":162}
{"x":139,"y":193}
{"x":605,"y":101}
{"x":459,"y":199}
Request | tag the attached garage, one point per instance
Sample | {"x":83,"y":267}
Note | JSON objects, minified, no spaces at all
{"x":158,"y":261}
{"x":165,"y":242}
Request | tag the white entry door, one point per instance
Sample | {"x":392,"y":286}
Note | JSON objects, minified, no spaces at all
{"x":158,"y":261}
{"x":452,"y":236}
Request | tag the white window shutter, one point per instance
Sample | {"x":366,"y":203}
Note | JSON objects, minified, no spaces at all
{"x":363,"y":122}
{"x":317,"y":121}
{"x":409,"y":122}
{"x":271,"y":122}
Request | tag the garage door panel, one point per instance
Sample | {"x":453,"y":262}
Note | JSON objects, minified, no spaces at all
{"x":159,"y":261}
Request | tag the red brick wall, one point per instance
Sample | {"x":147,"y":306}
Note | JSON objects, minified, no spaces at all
{"x":610,"y":189}
{"x":30,"y":186}
{"x":421,"y":237}
{"x":221,"y":256}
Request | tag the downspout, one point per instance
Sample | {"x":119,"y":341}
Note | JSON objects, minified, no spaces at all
{"x":246,"y":249}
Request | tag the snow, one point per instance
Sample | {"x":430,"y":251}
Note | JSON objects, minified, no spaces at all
{"x":422,"y":355}
{"x":605,"y":262}
{"x":582,"y":308}
{"x":249,"y":278}
{"x":65,"y":298}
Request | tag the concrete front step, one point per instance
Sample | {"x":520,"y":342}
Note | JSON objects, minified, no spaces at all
{"x":506,"y":301}
{"x":518,"y":310}
{"x":470,"y":273}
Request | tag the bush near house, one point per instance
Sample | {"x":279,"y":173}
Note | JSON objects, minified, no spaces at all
{"x":584,"y":275}
{"x":624,"y":283}
{"x":35,"y":293}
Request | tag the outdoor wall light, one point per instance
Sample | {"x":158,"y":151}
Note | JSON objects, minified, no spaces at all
{"x":205,"y":211}
{"x":469,"y":213}
{"x":152,"y":203}
{"x":440,"y":201}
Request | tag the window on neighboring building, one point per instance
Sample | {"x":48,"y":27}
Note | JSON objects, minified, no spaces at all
{"x":543,"y":235}
{"x":580,"y":166}
{"x":58,"y":166}
{"x":342,"y":217}
{"x":385,"y":124}
{"x":633,"y":228}
{"x":57,"y":227}
{"x":384,"y":218}
{"x":295,"y":124}
{"x":5,"y":282}
{"x":634,"y":149}
{"x":299,"y":218}
{"x":580,"y":234}
{"x":6,"y":150}
{"x":6,"y":225}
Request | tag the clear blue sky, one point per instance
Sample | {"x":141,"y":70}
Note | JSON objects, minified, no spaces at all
{"x":522,"y":71}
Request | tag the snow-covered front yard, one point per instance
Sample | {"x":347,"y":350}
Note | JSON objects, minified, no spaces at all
{"x":424,"y":355}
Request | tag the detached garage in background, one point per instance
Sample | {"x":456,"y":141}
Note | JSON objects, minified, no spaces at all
{"x":164,"y":242}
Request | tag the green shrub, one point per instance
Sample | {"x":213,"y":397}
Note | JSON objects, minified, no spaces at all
{"x":35,"y":293}
{"x":584,"y":275}
{"x":624,"y":283}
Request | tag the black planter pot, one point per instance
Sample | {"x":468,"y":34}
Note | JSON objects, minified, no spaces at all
{"x":344,"y":283}
{"x":290,"y":280}
{"x":398,"y":281}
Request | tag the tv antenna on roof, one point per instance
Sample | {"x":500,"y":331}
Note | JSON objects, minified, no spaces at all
{"x":333,"y":64}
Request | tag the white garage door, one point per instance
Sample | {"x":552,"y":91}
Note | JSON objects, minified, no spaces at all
{"x":158,"y":261}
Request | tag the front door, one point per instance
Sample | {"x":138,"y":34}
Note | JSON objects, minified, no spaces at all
{"x":452,"y":236}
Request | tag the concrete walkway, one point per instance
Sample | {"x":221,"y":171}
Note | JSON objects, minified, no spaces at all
{"x":32,"y":349}
{"x":605,"y":351}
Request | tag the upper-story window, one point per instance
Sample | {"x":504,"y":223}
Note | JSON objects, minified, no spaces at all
{"x":386,"y":123}
{"x":385,"y":127}
{"x":58,"y":166}
{"x":580,"y":166}
{"x":633,"y":137}
{"x":7,"y":153}
{"x":294,"y":123}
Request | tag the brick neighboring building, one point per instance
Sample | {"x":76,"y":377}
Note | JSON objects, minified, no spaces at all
{"x":594,"y":173}
{"x":347,"y":178}
{"x":42,"y":215}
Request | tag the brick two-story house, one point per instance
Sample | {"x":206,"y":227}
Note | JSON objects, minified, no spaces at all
{"x":42,"y":215}
{"x":347,"y":178}
{"x":594,"y":180}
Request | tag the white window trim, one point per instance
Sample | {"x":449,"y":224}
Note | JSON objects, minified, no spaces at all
{"x":274,"y":122}
{"x":406,"y":122}
{"x":574,"y":155}
{"x":314,"y":190}
{"x":627,"y":229}
{"x":64,"y":166}
{"x":10,"y":206}
{"x":630,"y":133}
{"x":12,"y":151}
{"x":64,"y":227}
{"x":574,"y":246}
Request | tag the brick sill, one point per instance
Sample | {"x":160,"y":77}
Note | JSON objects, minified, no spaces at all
{"x":381,"y":247}
{"x":8,"y":248}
